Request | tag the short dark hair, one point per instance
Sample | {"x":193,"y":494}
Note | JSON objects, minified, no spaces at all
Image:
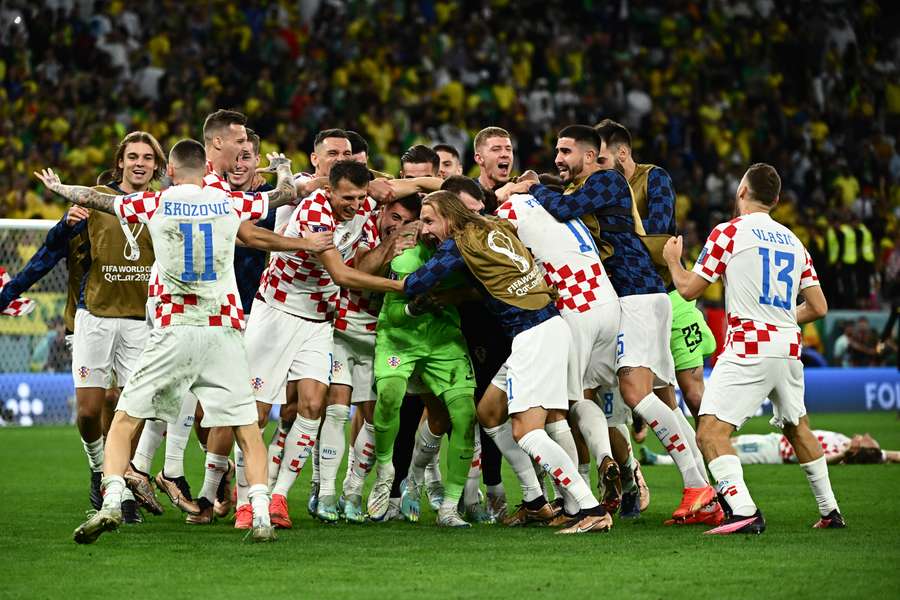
{"x":421,"y":154}
{"x":411,"y":202}
{"x":188,"y":154}
{"x":580,"y":133}
{"x":446,"y":148}
{"x":551,"y":181}
{"x":354,"y":172}
{"x":254,"y":140}
{"x":329,"y":133}
{"x":764,"y":183}
{"x":219,"y":120}
{"x":357,"y":142}
{"x":613,"y":133}
{"x":460,"y":183}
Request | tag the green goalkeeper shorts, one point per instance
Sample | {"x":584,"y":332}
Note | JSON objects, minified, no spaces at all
{"x":441,"y":369}
{"x":692,"y":340}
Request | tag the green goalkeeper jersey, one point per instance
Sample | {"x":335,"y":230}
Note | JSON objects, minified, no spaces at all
{"x":397,"y":330}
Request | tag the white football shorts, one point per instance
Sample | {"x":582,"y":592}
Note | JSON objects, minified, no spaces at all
{"x":105,"y":349}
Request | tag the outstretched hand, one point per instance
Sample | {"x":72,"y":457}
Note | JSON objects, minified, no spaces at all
{"x":50,"y":180}
{"x":276,"y":159}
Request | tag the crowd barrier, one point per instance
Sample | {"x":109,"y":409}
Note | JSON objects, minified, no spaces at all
{"x":42,"y":399}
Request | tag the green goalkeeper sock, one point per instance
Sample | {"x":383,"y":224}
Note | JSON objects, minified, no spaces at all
{"x":391,"y":391}
{"x":461,"y":406}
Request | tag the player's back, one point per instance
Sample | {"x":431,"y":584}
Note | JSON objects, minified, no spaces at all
{"x":766,"y":268}
{"x":193,"y":232}
{"x":566,"y":251}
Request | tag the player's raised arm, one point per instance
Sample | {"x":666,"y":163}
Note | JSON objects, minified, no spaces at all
{"x":690,"y":285}
{"x":263,"y":239}
{"x":285,"y":191}
{"x":378,"y":258}
{"x":77,"y":194}
{"x":413,"y":185}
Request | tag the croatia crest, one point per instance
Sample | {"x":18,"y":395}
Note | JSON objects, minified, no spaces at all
{"x":256,"y":383}
{"x":83,"y":373}
{"x":394,"y":362}
{"x":336,"y":367}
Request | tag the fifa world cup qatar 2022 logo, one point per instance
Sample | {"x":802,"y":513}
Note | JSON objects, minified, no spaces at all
{"x":499,"y":242}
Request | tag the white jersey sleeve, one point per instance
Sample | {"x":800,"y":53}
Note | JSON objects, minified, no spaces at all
{"x":763,"y":266}
{"x":566,"y":251}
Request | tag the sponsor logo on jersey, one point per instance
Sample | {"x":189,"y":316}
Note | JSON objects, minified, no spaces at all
{"x":319,"y":228}
{"x":393,"y":362}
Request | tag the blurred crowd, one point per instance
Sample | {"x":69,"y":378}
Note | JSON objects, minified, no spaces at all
{"x":706,"y":87}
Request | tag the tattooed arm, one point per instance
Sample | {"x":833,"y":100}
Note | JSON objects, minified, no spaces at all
{"x":285,"y":192}
{"x":77,"y":194}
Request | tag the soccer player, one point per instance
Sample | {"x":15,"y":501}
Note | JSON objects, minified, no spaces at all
{"x":691,"y":338}
{"x":589,"y":305}
{"x":419,"y":161}
{"x":602,"y":198}
{"x":196,"y":344}
{"x":494,"y":157}
{"x":776,"y":449}
{"x":290,"y":333}
{"x":503,"y":270}
{"x":450,"y":163}
{"x":765,"y":268}
{"x":410,"y":339}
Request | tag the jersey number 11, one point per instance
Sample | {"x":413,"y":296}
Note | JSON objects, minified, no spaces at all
{"x":189,"y":273}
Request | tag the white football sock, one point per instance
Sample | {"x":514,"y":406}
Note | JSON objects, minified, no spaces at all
{"x":517,"y":458}
{"x":275,"y":451}
{"x":817,"y":475}
{"x":112,"y":487}
{"x":584,"y":469}
{"x":127,"y":494}
{"x":148,"y":444}
{"x":591,"y":422}
{"x":555,"y":461}
{"x":259,"y":500}
{"x":332,"y":445}
{"x":691,"y":437}
{"x":216,"y":468}
{"x":561,"y":433}
{"x":300,"y":441}
{"x":433,"y":470}
{"x":363,"y":459}
{"x":730,"y":483}
{"x":351,"y":459}
{"x":94,"y":451}
{"x":427,"y":446}
{"x":473,"y":480}
{"x":240,"y":477}
{"x":177,"y":436}
{"x":668,"y":431}
{"x":496,"y":490}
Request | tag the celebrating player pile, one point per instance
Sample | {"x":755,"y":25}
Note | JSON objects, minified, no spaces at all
{"x":358,"y":303}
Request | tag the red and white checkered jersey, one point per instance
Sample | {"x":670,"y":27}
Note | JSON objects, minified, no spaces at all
{"x":763,"y":266}
{"x":832,"y":442}
{"x":193,"y":230}
{"x":298,"y":283}
{"x":211,"y":179}
{"x":358,"y":310}
{"x":566,"y":251}
{"x":18,"y":307}
{"x":283,"y":213}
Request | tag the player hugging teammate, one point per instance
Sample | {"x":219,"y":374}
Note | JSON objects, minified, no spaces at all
{"x":581,"y":273}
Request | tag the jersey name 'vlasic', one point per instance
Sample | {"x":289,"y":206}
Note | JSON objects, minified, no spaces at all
{"x":193,"y":231}
{"x":566,"y":251}
{"x":763,"y":266}
{"x":297,"y":282}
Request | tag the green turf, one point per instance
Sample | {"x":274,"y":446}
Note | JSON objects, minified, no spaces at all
{"x":44,"y":476}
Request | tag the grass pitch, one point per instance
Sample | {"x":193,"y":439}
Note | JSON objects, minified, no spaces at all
{"x":45,"y":483}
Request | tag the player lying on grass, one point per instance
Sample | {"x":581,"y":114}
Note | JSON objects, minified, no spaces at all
{"x":764,"y":267}
{"x":196,"y":344}
{"x":776,"y":449}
